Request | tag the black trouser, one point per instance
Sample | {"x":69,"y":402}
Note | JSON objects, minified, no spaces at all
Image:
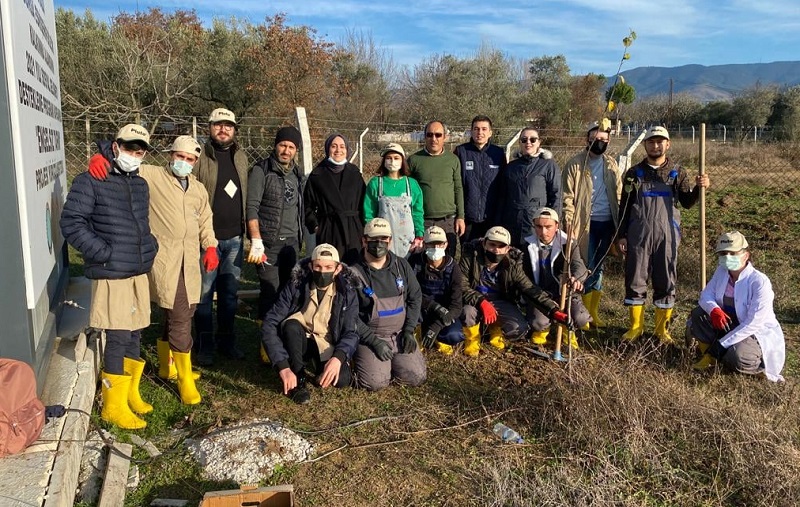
{"x":120,"y":343}
{"x":303,"y":350}
{"x":273,"y":275}
{"x":476,"y":230}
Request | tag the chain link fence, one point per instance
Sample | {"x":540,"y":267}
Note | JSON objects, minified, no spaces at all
{"x":734,"y":155}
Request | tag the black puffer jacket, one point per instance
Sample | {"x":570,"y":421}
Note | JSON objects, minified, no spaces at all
{"x":292,"y":299}
{"x":108,"y":223}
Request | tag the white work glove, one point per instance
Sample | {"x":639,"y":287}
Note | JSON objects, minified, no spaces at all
{"x":256,"y":255}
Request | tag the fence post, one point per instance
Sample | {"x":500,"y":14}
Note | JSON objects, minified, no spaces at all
{"x":194,"y":127}
{"x":692,"y":134}
{"x":702,"y":171}
{"x":88,"y":141}
{"x":510,"y":144}
{"x":361,"y":150}
{"x":302,"y":126}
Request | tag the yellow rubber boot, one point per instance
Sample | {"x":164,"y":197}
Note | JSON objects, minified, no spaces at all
{"x":114,"y":389}
{"x":594,"y":308}
{"x":573,"y":340}
{"x":444,"y":348}
{"x":134,"y":368}
{"x":472,"y":340}
{"x":702,"y":346}
{"x":496,"y":337}
{"x":636,"y":330}
{"x":587,"y":302}
{"x":166,"y":363}
{"x":663,"y":316}
{"x":186,"y":387}
{"x":540,"y":337}
{"x":705,"y":362}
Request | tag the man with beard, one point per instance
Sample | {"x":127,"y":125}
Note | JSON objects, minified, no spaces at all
{"x":222,"y":169}
{"x":592,"y":184}
{"x":649,"y":231}
{"x":275,"y":215}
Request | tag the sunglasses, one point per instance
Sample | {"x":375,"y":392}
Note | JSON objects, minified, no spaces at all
{"x":531,"y":140}
{"x":437,"y":135}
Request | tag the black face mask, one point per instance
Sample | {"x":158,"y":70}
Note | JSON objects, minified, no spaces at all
{"x":494,"y":257}
{"x":598,"y":147}
{"x":321,"y":279}
{"x":377,"y":249}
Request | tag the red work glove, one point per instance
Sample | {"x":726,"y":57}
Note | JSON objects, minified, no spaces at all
{"x":720,"y":320}
{"x":489,"y":312}
{"x":98,"y":167}
{"x":210,"y":259}
{"x":560,"y":317}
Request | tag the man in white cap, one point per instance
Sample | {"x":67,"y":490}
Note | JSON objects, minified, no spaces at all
{"x":735,"y":322}
{"x":222,"y":169}
{"x":649,"y":231}
{"x":494,"y":280}
{"x":108,"y":222}
{"x":591,"y":188}
{"x":181,"y":220}
{"x":389,"y":308}
{"x":313,"y":323}
{"x":439,"y":278}
{"x":545,"y":262}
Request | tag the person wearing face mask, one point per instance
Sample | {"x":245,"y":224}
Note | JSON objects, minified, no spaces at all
{"x":394,"y":196}
{"x":545,"y":264}
{"x":108,"y":222}
{"x":439,"y":278}
{"x":592,"y":186}
{"x":530,"y":182}
{"x":389,"y":301}
{"x":182,"y":222}
{"x":275,"y":215}
{"x":493,"y":282}
{"x":649,"y":231}
{"x":313,"y":324}
{"x":333,"y":200}
{"x":735,"y":323}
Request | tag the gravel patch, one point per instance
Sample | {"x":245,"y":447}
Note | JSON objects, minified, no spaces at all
{"x":248,"y":451}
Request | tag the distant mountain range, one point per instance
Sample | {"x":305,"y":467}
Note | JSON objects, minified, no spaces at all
{"x":714,"y":82}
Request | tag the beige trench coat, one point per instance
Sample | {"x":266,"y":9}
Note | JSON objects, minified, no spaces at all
{"x":182,"y":224}
{"x":576,"y":192}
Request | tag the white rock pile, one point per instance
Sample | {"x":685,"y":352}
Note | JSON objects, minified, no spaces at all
{"x":248,"y":451}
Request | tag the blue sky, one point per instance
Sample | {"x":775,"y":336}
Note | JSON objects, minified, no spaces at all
{"x":588,"y":32}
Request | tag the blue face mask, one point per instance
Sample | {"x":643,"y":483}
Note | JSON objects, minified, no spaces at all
{"x":731,"y":262}
{"x":181,"y":168}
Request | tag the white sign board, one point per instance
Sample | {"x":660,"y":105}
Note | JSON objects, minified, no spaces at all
{"x":31,"y":55}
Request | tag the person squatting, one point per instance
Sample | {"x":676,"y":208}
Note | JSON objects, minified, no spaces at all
{"x":391,"y":276}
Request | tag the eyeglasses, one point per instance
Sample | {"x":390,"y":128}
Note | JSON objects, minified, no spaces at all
{"x":437,"y":135}
{"x":532,"y":140}
{"x":223,"y":126}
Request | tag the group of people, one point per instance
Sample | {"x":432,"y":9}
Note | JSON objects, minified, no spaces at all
{"x":388,"y":277}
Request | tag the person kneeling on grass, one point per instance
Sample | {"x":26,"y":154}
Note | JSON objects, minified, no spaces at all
{"x":389,"y":308}
{"x":493,"y":282}
{"x":545,"y":263}
{"x":734,"y":322}
{"x":313,"y":321}
{"x":439,"y":278}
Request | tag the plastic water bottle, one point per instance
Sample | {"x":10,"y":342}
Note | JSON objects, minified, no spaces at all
{"x":508,"y":435}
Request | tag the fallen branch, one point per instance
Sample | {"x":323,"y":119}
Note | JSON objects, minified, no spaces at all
{"x":350,"y":425}
{"x":443,"y":428}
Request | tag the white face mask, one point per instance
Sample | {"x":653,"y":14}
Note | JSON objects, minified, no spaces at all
{"x":731,"y":262}
{"x":435,"y":254}
{"x":337,"y":162}
{"x":127,"y":162}
{"x":181,"y":168}
{"x":393,"y":165}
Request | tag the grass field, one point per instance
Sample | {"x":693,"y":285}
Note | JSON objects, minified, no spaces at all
{"x":617,"y":425}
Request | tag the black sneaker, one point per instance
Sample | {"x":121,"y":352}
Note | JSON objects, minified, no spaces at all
{"x":300,"y":395}
{"x":204,"y":359}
